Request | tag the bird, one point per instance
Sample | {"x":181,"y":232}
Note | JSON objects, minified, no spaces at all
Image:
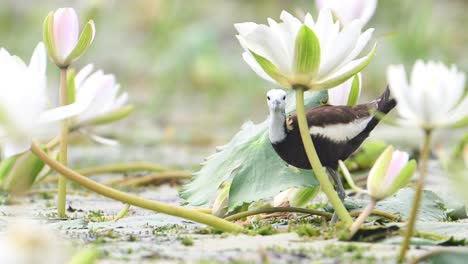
{"x":336,"y":131}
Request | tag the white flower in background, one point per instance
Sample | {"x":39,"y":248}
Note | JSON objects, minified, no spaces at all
{"x":62,"y":36}
{"x":348,"y":10}
{"x":434,"y":97}
{"x":346,"y":93}
{"x":27,"y":242}
{"x":391,"y":171}
{"x":314,"y":54}
{"x":23,"y":101}
{"x":106,"y":93}
{"x":96,"y":101}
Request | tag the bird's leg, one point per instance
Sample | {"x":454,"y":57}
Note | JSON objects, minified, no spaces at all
{"x":338,"y":187}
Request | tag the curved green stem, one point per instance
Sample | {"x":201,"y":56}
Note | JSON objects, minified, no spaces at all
{"x":164,"y":208}
{"x":314,"y":160}
{"x":296,"y":210}
{"x":270,"y":210}
{"x":417,"y":196}
{"x":115,"y":168}
{"x":63,"y":157}
{"x":122,"y":213}
{"x":381,"y":213}
{"x":163,"y":176}
{"x":362,"y":217}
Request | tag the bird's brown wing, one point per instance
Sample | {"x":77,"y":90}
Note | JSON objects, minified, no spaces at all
{"x":329,"y":115}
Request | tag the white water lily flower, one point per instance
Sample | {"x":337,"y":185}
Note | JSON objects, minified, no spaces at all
{"x":346,"y":93}
{"x":348,"y":10}
{"x":106,"y":93}
{"x":23,"y":101}
{"x":316,"y":55}
{"x":434,"y":97}
{"x":29,"y":242}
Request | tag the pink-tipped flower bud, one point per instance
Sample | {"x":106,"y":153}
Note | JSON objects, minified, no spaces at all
{"x":62,"y":37}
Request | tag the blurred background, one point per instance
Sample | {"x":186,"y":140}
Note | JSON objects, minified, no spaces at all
{"x":182,"y":66}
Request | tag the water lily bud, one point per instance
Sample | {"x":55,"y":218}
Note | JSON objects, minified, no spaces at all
{"x":312,"y":55}
{"x":62,"y":39}
{"x":295,"y":197}
{"x":220,"y":205}
{"x":391,"y":171}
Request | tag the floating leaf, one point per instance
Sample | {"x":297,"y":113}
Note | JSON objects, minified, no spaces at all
{"x":250,"y":161}
{"x":432,"y":208}
{"x":445,"y":256}
{"x":264,"y":174}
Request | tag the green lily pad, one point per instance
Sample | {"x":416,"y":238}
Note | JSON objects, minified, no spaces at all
{"x":250,"y":162}
{"x":443,"y":257}
{"x":431,"y":209}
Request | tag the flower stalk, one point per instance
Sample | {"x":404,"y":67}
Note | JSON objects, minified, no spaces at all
{"x":314,"y":160}
{"x":417,"y":196}
{"x":63,"y":157}
{"x":362,"y":217}
{"x":160,"y":207}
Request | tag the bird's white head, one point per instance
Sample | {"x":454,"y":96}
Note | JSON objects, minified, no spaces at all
{"x":276,"y":100}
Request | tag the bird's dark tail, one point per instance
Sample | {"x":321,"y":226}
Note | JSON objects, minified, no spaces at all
{"x":383,"y":105}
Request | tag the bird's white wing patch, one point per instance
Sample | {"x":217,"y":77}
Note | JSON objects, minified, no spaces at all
{"x":341,"y":132}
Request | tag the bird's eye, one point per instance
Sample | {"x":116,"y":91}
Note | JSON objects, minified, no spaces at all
{"x":268,"y":98}
{"x":284,"y":97}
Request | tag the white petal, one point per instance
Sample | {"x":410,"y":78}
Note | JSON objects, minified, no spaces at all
{"x":460,"y":112}
{"x":245,"y":28}
{"x":396,"y":77}
{"x":14,"y":148}
{"x":103,"y":140}
{"x":121,"y":101}
{"x":263,"y":41}
{"x":82,"y":75}
{"x":290,"y":20}
{"x":360,"y":45}
{"x":256,"y":67}
{"x":66,"y":31}
{"x":339,"y":95}
{"x":38,"y":62}
{"x":342,"y":46}
{"x":309,"y":21}
{"x":368,"y":11}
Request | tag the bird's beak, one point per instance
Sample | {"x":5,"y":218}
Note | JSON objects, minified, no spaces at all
{"x":276,"y":104}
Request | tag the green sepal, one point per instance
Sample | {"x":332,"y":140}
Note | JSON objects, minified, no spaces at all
{"x":23,"y":174}
{"x":71,"y":89}
{"x":461,"y":123}
{"x":353,"y":96}
{"x":304,"y":195}
{"x":307,"y":52}
{"x":378,"y":172}
{"x":321,"y":85}
{"x":5,"y":167}
{"x":85,"y":40}
{"x":109,"y":117}
{"x":270,"y":69}
{"x":402,"y":179}
{"x":48,"y":37}
{"x":348,"y":177}
{"x":86,"y":256}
